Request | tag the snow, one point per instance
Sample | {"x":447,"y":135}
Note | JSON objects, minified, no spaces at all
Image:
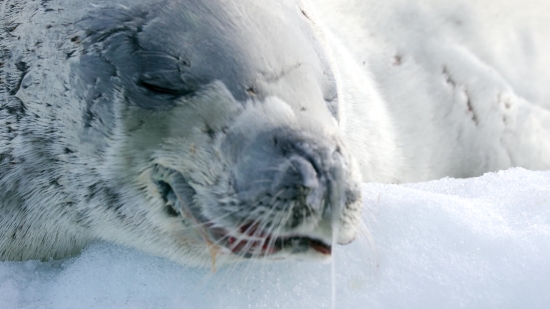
{"x":474,"y":243}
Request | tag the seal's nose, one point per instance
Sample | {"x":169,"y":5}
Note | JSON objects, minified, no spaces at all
{"x":289,"y":174}
{"x":297,"y":178}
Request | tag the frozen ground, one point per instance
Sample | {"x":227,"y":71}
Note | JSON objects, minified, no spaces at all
{"x":474,"y":243}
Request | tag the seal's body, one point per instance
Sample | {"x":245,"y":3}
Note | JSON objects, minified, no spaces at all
{"x":197,"y":129}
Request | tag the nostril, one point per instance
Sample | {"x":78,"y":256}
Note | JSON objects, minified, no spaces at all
{"x":296,"y":171}
{"x":298,"y":178}
{"x":305,"y":171}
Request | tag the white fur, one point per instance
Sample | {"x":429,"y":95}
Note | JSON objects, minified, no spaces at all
{"x":421,"y":101}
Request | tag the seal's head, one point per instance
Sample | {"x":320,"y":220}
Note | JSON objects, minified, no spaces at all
{"x":219,"y":129}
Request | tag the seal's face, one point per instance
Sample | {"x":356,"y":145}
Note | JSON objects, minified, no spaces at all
{"x":224,"y":117}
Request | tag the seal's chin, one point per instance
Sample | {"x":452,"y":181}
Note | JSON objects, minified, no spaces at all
{"x":245,"y":240}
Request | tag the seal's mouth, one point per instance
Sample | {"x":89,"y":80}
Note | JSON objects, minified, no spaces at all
{"x":245,"y":240}
{"x":250,"y":243}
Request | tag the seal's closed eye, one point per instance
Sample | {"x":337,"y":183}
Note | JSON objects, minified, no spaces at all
{"x":158,"y":87}
{"x":164,"y":75}
{"x":154,"y":86}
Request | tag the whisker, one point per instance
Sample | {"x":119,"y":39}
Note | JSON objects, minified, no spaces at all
{"x":278,"y":169}
{"x":276,"y":196}
{"x":276,"y":229}
{"x":194,"y":224}
{"x":260,"y":181}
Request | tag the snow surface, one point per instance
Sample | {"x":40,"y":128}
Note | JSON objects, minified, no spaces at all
{"x":453,"y":243}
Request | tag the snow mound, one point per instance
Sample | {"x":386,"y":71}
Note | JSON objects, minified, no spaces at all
{"x":474,"y":243}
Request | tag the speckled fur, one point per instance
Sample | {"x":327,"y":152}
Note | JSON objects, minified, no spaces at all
{"x":73,"y":170}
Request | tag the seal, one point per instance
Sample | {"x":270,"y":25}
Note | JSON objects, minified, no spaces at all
{"x":175,"y":127}
{"x":213,"y":131}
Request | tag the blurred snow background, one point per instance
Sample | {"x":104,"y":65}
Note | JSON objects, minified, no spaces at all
{"x":469,"y":243}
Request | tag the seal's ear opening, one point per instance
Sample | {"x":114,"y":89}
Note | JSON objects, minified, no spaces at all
{"x":169,"y":198}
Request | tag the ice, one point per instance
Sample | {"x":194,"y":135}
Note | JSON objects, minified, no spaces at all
{"x":474,"y":243}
